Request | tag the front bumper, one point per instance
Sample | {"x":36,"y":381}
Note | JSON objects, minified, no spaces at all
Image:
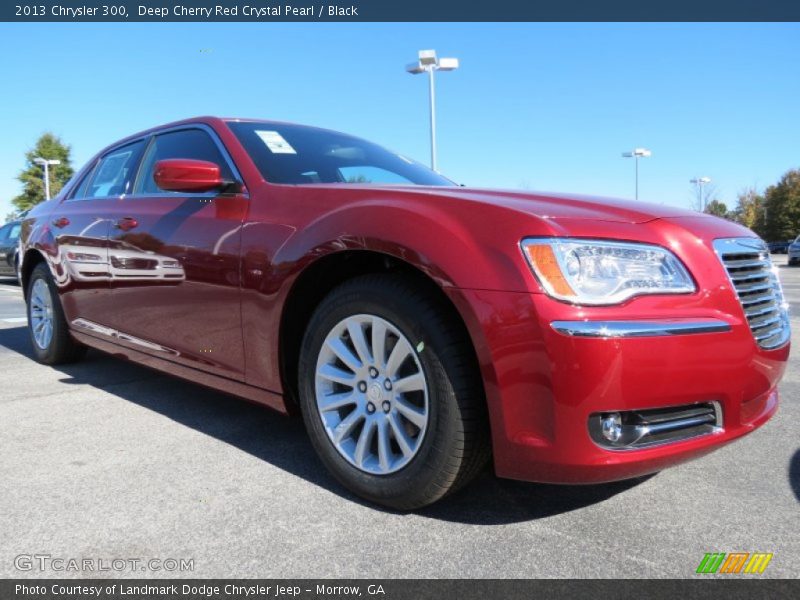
{"x":543,"y":383}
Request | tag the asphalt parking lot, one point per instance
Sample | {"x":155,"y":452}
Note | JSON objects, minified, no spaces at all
{"x":105,"y":459}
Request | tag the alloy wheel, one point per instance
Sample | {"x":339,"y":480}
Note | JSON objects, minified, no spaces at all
{"x":372,"y":394}
{"x":41,"y":314}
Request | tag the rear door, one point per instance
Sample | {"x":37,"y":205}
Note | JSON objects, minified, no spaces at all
{"x":80,"y":226}
{"x":174,"y":261}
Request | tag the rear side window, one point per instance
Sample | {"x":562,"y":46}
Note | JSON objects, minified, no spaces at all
{"x":112,"y":175}
{"x":13,"y":234}
{"x":193,"y":144}
{"x":80,"y":190}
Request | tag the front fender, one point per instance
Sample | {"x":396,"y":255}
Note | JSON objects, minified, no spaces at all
{"x":458,"y":244}
{"x":438,"y":242}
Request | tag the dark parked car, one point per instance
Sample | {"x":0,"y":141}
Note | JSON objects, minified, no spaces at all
{"x":420,"y":328}
{"x":9,"y":248}
{"x":779,"y":247}
{"x":794,"y":251}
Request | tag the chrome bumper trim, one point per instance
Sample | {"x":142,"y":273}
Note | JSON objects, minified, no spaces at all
{"x":621,"y":329}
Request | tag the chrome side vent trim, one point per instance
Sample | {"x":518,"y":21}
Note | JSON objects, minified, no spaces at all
{"x":755,"y":281}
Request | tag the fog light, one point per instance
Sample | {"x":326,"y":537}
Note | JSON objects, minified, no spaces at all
{"x":612,"y":427}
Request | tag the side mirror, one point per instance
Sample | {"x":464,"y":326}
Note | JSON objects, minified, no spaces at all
{"x":188,"y":175}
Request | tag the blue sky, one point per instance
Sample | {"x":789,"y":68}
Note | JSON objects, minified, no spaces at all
{"x":540,"y":106}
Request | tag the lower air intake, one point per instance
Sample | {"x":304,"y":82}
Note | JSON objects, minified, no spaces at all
{"x":632,"y":429}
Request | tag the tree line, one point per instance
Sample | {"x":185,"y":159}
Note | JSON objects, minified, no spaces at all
{"x":773,"y":214}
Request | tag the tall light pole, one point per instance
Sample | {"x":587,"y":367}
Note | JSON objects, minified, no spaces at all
{"x":635,"y":154}
{"x":429,"y":63}
{"x":699,"y":182}
{"x":46,"y":164}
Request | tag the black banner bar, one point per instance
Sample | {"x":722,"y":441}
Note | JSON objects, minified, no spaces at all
{"x":399,"y":10}
{"x":731,"y":588}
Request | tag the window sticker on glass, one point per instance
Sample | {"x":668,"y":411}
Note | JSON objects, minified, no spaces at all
{"x":275,"y":142}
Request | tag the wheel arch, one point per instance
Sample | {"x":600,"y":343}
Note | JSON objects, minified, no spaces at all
{"x":319,"y":278}
{"x":30,"y":259}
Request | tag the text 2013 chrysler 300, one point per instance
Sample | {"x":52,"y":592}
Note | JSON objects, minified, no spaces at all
{"x":419,"y":327}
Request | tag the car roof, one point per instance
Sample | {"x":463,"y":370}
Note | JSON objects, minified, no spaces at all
{"x":212,"y":120}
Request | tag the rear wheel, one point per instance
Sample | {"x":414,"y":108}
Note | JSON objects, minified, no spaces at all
{"x":52,"y":342}
{"x":390,"y":393}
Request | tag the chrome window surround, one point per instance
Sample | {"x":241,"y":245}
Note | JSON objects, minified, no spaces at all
{"x":626,"y":329}
{"x":88,"y":171}
{"x":755,"y":282}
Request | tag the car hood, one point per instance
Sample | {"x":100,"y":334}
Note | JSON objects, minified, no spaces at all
{"x":554,"y":206}
{"x":544,"y":205}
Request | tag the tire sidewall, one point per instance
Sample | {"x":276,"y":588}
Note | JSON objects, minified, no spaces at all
{"x":49,"y":354}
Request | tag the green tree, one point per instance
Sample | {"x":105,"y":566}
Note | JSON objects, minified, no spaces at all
{"x":749,"y":210}
{"x":717,"y":208}
{"x":51,"y":147}
{"x":782,"y":207}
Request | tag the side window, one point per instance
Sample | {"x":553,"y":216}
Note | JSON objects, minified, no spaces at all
{"x":4,"y":231}
{"x":13,"y":234}
{"x":194,"y":144}
{"x":112,"y":175}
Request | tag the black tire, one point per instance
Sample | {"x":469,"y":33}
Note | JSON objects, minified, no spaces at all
{"x":62,"y":348}
{"x":456,"y":446}
{"x":792,"y":262}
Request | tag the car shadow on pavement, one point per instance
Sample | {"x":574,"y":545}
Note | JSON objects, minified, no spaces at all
{"x":794,"y":474}
{"x":282,"y":440}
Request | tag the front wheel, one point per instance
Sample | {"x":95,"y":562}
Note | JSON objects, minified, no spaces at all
{"x":390,"y":393}
{"x":52,"y":342}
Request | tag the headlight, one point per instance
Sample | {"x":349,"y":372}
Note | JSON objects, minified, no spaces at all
{"x":599,"y":272}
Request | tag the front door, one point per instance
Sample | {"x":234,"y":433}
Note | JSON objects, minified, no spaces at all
{"x":174,"y":262}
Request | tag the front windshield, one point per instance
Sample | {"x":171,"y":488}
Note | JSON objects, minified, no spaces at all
{"x":296,"y":154}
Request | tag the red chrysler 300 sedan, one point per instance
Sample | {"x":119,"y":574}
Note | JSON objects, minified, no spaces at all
{"x":418,"y":326}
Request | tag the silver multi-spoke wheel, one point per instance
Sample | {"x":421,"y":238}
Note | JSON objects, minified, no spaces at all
{"x":371,"y":393}
{"x":41,"y":314}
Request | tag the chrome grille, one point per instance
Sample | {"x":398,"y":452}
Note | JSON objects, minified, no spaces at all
{"x":755,"y":280}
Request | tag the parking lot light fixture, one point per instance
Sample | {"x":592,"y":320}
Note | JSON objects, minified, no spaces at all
{"x":636,"y":154}
{"x":699,"y":182}
{"x":428,"y":62}
{"x":46,"y":164}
